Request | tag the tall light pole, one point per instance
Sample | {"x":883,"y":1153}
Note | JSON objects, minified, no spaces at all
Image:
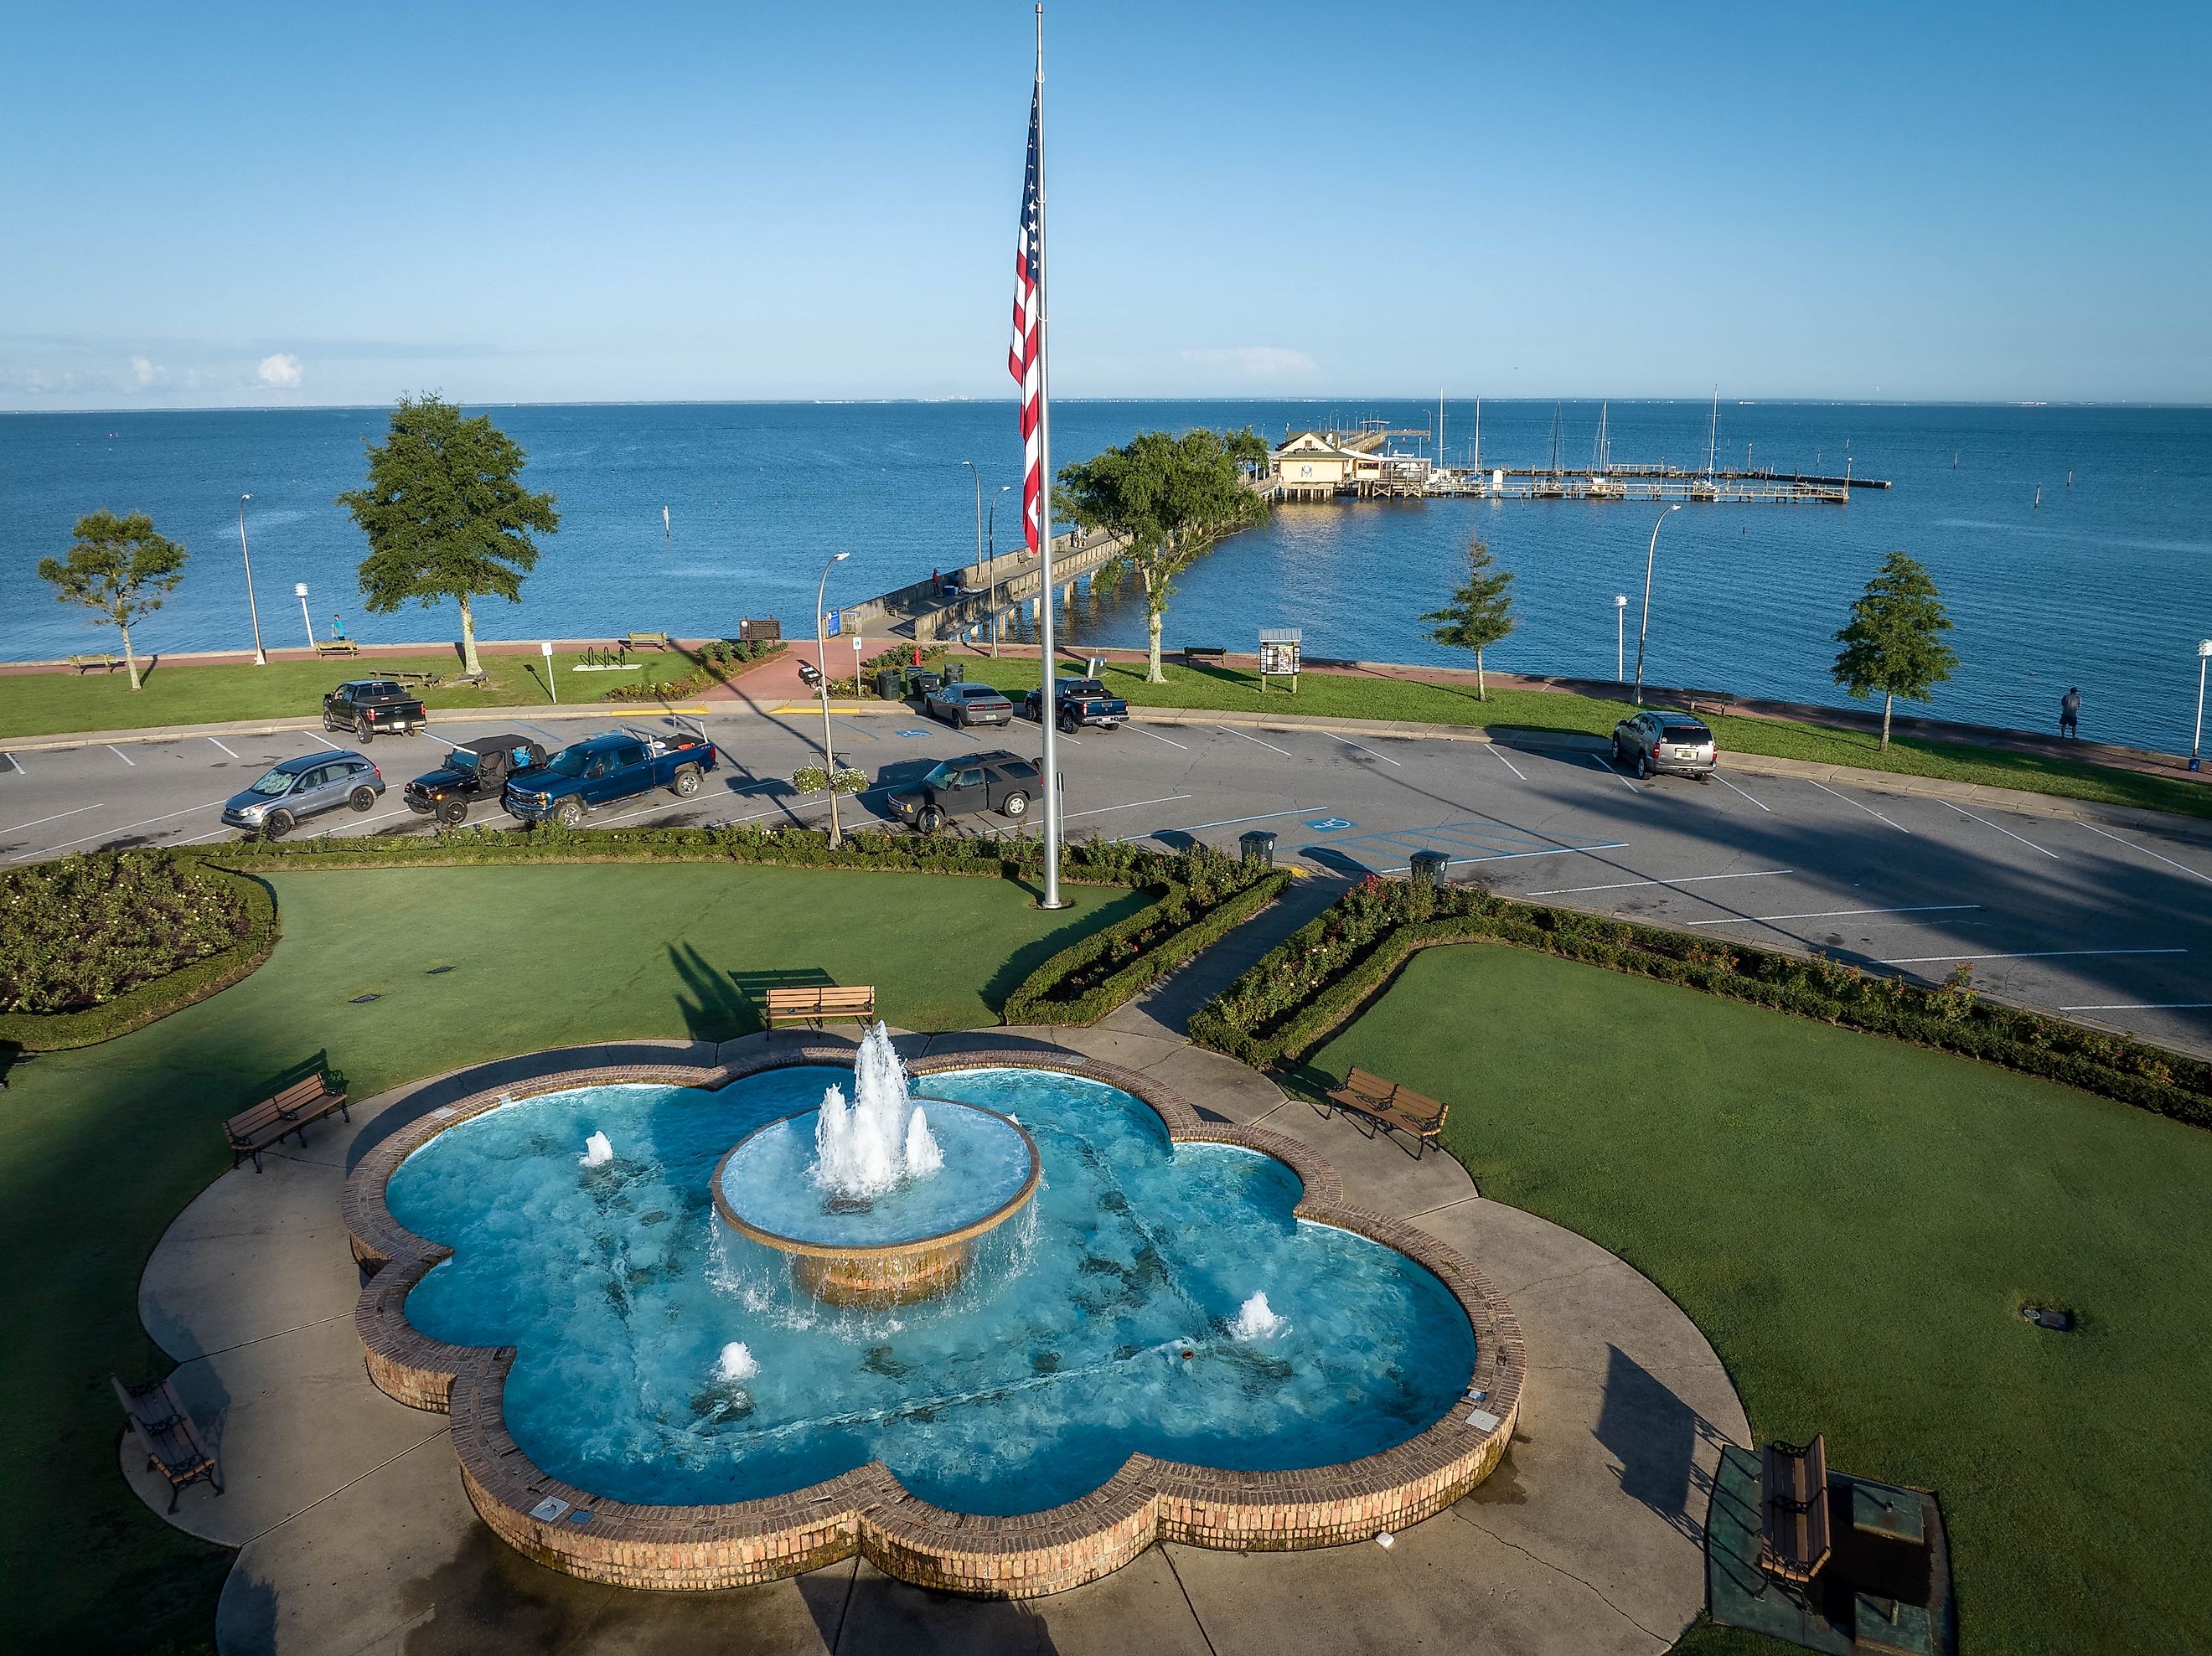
{"x":991,"y":561}
{"x":260,"y":655}
{"x":1619,"y":636}
{"x":978,"y":477}
{"x":822,"y":673}
{"x":1643,"y":627}
{"x":2197,"y":747}
{"x":300,"y":591}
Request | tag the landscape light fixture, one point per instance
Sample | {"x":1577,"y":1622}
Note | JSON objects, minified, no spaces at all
{"x":260,"y":655}
{"x":1619,"y":636}
{"x":1643,"y":627}
{"x":300,"y":591}
{"x":2197,"y":747}
{"x":991,"y":562}
{"x":821,"y":680}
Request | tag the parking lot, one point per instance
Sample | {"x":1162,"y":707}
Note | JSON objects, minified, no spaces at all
{"x":2105,"y":925}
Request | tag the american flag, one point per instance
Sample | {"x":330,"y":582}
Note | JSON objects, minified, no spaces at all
{"x":1025,"y":361}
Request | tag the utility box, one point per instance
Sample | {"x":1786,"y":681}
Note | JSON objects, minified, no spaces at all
{"x":1257,"y":845}
{"x":1428,"y":868}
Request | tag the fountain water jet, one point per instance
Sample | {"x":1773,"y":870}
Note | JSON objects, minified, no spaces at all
{"x":598,"y":1152}
{"x":735,"y":1364}
{"x":863,"y":1151}
{"x":1257,"y":1320}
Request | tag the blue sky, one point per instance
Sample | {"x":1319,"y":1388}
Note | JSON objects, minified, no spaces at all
{"x":220,"y":205}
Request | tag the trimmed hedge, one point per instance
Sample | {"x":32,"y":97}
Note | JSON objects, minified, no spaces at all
{"x":48,"y":1032}
{"x":1136,"y":953}
{"x":1301,"y":991}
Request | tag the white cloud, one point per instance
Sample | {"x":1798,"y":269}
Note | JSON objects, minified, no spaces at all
{"x":146,"y":369}
{"x":281,"y":370}
{"x":1256,"y":362}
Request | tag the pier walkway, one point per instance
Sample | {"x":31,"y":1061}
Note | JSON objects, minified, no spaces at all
{"x":921,"y":611}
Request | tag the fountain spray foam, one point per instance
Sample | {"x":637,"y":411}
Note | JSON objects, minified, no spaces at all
{"x":598,"y":1152}
{"x":864,"y":1148}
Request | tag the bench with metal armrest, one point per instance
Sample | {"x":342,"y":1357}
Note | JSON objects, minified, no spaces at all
{"x":166,"y":1433}
{"x":1390,"y":1105}
{"x":268,"y":1123}
{"x":1793,"y":1536}
{"x":818,"y":1004}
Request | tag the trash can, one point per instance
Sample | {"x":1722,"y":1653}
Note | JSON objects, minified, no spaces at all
{"x":919,"y":683}
{"x":1258,"y":845}
{"x":890,"y":684}
{"x":1428,"y":868}
{"x":954,"y":672}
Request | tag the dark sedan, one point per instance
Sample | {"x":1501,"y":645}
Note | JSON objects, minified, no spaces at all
{"x":965,"y":704}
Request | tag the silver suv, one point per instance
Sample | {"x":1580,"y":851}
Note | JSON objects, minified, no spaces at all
{"x":304,"y":787}
{"x":1673,"y":742}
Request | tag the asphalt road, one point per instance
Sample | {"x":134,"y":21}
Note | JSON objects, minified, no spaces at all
{"x":2109,"y":926}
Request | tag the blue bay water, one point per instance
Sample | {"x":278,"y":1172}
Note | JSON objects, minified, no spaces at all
{"x":2107,"y":585}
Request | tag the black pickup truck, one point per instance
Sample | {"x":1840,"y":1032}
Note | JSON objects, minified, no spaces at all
{"x":472,"y":772}
{"x":1078,"y":702}
{"x":370,"y":707}
{"x":607,"y":770}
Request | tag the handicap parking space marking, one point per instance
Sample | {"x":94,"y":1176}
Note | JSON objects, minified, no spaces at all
{"x":1330,"y":825}
{"x":911,"y":733}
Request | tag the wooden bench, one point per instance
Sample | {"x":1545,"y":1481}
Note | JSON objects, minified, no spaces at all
{"x":1389,"y":1104}
{"x":430,"y":679}
{"x":1710,"y":701}
{"x":166,"y":1433}
{"x":1216,"y":654}
{"x":86,"y":664}
{"x":1793,"y":1534}
{"x":816,"y":1004}
{"x":268,"y":1123}
{"x":645,"y":641}
{"x":336,"y":647}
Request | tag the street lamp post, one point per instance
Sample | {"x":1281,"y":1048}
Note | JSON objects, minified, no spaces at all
{"x":978,"y":477}
{"x":1619,"y":636}
{"x":1643,"y":627}
{"x":260,"y":655}
{"x":2197,"y":747}
{"x":991,"y":562}
{"x":822,"y":672}
{"x":300,"y":591}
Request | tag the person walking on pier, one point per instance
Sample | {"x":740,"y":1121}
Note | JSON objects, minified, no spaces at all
{"x":2069,"y":713}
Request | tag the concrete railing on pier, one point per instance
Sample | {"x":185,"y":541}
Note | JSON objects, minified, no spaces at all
{"x":920,"y":611}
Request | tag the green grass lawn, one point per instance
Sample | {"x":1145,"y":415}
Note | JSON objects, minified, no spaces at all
{"x":1855,"y":1223}
{"x":101,"y":1148}
{"x":1352,"y":697}
{"x":196,"y":693}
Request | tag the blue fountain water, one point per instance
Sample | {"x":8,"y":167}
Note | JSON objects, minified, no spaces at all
{"x":1112,"y":1316}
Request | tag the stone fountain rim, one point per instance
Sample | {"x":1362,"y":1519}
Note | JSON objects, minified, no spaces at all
{"x":864,"y":1250}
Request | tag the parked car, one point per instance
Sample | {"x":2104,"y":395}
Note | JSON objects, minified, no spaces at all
{"x":1078,"y":702}
{"x":1668,"y":742}
{"x":304,"y":787}
{"x":370,"y":707}
{"x":606,"y":770}
{"x":965,"y":704}
{"x":473,"y":771}
{"x":970,"y":786}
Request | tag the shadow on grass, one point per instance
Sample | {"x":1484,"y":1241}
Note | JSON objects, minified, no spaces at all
{"x":1017,"y":965}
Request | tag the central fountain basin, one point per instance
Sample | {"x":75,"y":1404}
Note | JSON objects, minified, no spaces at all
{"x":914,"y":1241}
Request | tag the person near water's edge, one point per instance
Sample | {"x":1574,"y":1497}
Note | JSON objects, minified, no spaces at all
{"x":337,"y":629}
{"x":2069,"y":712}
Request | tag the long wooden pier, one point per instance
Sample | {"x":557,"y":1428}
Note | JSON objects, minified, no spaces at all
{"x":923,"y":611}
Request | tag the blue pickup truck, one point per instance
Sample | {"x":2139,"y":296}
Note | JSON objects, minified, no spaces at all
{"x":607,"y":770}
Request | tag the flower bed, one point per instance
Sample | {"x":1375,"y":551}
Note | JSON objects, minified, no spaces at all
{"x":1290,"y":1001}
{"x":712,"y":659}
{"x":94,"y":946}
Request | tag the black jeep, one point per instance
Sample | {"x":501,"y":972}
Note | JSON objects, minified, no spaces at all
{"x":968,"y":787}
{"x":473,"y":771}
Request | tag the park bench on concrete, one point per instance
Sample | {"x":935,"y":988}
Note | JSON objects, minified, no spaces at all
{"x":336,"y":647}
{"x":645,"y":641}
{"x":86,"y":664}
{"x":1389,"y":1106}
{"x":166,"y":1433}
{"x":1792,"y":1537}
{"x":817,"y":1003}
{"x":268,"y":1123}
{"x":1214,"y":654}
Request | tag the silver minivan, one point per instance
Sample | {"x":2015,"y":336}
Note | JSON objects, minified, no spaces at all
{"x":304,"y":787}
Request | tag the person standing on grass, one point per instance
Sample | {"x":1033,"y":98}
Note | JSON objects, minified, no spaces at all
{"x":2069,"y":713}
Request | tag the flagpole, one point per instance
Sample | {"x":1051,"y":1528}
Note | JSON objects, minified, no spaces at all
{"x":1046,"y":703}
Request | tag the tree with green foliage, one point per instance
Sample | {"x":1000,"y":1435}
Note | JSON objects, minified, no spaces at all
{"x":120,"y":568}
{"x":1171,"y":499}
{"x":1480,"y":613}
{"x":446,"y":514}
{"x":1893,"y":642}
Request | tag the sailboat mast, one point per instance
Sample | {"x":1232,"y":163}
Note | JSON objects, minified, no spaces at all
{"x":1713,"y":433}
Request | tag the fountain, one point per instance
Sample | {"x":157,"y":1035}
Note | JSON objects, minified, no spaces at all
{"x":888,"y":1207}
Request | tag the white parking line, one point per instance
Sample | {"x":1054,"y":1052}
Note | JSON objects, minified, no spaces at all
{"x":2146,"y":851}
{"x":2031,"y":955}
{"x":1371,"y":752}
{"x":22,"y":857}
{"x":326,"y":741}
{"x":1133,"y":805}
{"x":2007,"y":832}
{"x":56,"y":817}
{"x":1623,"y":885}
{"x":1831,"y":913}
{"x":1285,"y":752}
{"x":2144,"y":1006}
{"x":1503,"y":760}
{"x":228,"y":751}
{"x":1732,"y":788}
{"x":1614,"y":773}
{"x":1157,"y":737}
{"x":123,"y":756}
{"x":16,"y":762}
{"x":1855,"y":805}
